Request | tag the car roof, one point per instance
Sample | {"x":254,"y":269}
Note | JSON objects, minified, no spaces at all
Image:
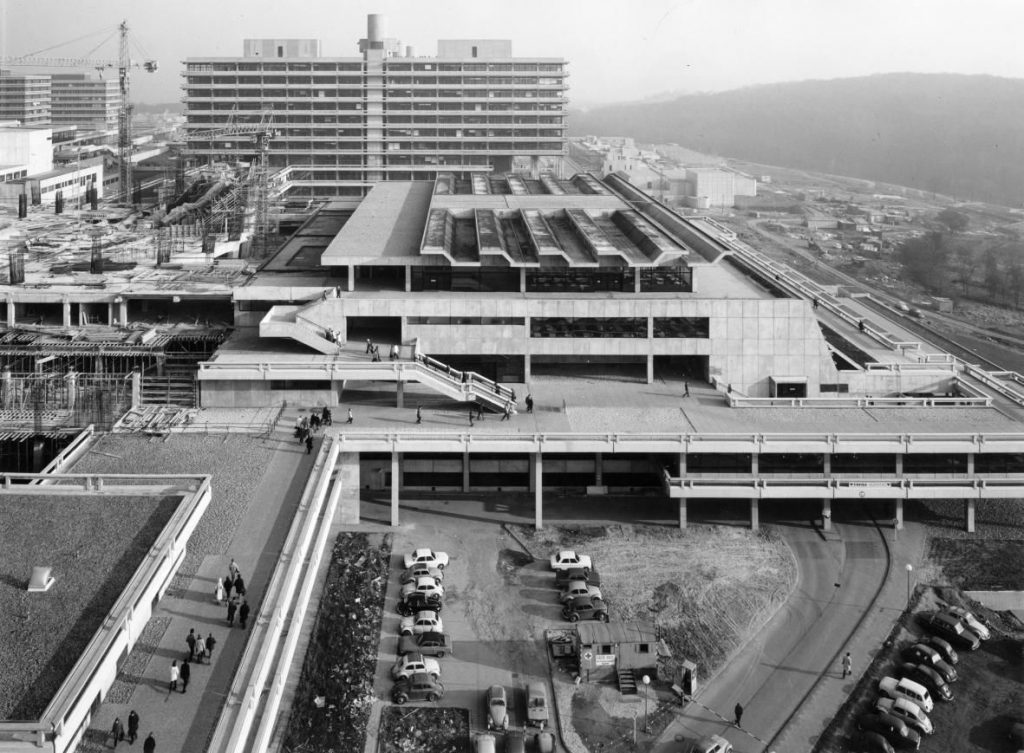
{"x":426,"y":614}
{"x":423,"y":552}
{"x":570,"y":553}
{"x":915,"y":686}
{"x":496,"y":690}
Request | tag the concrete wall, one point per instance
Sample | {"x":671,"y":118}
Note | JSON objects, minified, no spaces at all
{"x":252,"y":394}
{"x":27,"y":146}
{"x":485,"y":48}
{"x":291,"y":48}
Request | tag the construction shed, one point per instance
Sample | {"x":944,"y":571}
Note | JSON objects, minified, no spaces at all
{"x":605,"y":648}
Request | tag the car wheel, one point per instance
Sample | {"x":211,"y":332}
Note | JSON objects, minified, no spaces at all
{"x":431,"y":697}
{"x":440,"y":566}
{"x":401,"y":698}
{"x":574,"y":617}
{"x":440,"y":654}
{"x":603,"y":617}
{"x":586,"y":572}
{"x":435,"y":676}
{"x":405,"y":632}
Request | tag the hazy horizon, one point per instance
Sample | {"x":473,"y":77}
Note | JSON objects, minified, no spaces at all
{"x":655,"y":48}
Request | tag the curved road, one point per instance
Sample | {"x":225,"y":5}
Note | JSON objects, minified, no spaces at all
{"x":838,"y":578}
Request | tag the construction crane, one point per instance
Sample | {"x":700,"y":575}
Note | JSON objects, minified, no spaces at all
{"x":123,"y":64}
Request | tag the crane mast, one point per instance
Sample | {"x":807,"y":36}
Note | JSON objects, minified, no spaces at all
{"x":124,"y":116}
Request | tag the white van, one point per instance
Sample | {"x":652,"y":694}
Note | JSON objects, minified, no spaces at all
{"x":893,"y":688}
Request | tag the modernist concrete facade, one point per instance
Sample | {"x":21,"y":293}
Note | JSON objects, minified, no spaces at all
{"x":85,"y":100}
{"x":25,"y":98}
{"x":344,"y":124}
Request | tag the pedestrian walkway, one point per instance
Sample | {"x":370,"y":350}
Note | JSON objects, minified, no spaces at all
{"x":183,"y":722}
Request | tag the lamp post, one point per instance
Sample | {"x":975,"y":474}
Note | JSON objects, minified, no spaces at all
{"x":910,"y":569}
{"x":647,"y":719}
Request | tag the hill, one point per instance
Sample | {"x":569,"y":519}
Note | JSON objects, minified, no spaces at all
{"x":948,"y":133}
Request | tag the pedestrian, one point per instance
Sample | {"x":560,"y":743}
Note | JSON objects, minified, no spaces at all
{"x":133,"y":726}
{"x":529,"y":403}
{"x":190,"y":639}
{"x":470,"y":415}
{"x":298,"y":427}
{"x":860,"y":325}
{"x":419,"y":414}
{"x":229,"y":583}
{"x":243,"y":613}
{"x":376,"y":353}
{"x":149,"y":746}
{"x":314,"y":422}
{"x":815,"y":303}
{"x":233,"y":568}
{"x":369,"y":346}
{"x":686,"y":388}
{"x":350,"y":417}
{"x":507,"y":411}
{"x":200,"y":651}
{"x":847,"y":665}
{"x":218,"y":592}
{"x":394,"y":352}
{"x":186,"y":674}
{"x":232,"y":606}
{"x":117,"y":732}
{"x":479,"y":411}
{"x":514,"y":400}
{"x":240,"y":585}
{"x":325,"y":416}
{"x":309,"y":444}
{"x":173,"y":685}
{"x":739,"y":713}
{"x":210,"y":643}
{"x":497,"y":388}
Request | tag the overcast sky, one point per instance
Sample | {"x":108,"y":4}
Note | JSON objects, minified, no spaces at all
{"x":618,"y":50}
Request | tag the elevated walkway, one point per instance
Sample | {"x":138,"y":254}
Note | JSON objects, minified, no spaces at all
{"x":295,"y":323}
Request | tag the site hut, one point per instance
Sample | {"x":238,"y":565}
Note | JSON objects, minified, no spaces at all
{"x":606,"y":649}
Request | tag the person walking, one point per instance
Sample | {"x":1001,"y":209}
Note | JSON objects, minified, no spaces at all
{"x":314,"y":421}
{"x":350,"y":417}
{"x":479,"y":411}
{"x":686,"y":388}
{"x":218,"y":592}
{"x":233,"y":568}
{"x":529,"y":403}
{"x":210,"y":643}
{"x":739,"y":713}
{"x":240,"y":585}
{"x":229,"y":583}
{"x":847,"y":665}
{"x":369,"y":346}
{"x":149,"y":745}
{"x":325,"y":416}
{"x":507,"y":411}
{"x":243,"y":613}
{"x":173,"y":684}
{"x":117,"y":732}
{"x":309,"y":444}
{"x":186,"y":675}
{"x":470,"y":415}
{"x":133,"y":726}
{"x":298,"y":427}
{"x":190,"y":639}
{"x":419,"y":414}
{"x":232,"y":606}
{"x":200,"y":651}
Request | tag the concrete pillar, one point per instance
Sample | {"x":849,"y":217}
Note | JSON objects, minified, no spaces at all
{"x":682,"y":464}
{"x":826,"y":514}
{"x":10,"y":313}
{"x":827,"y":464}
{"x":346,"y":485}
{"x":351,"y":277}
{"x":682,"y":513}
{"x":136,"y":389}
{"x":533,"y":476}
{"x":465,"y":471}
{"x":598,"y":470}
{"x":526,"y":367}
{"x":970,"y":463}
{"x":650,"y":369}
{"x":408,"y":279}
{"x":66,"y":314}
{"x":110,"y":314}
{"x":522,"y":283}
{"x":122,"y":313}
{"x":899,"y":465}
{"x":399,"y":394}
{"x":636,"y":280}
{"x":755,"y":523}
{"x":899,"y":514}
{"x":396,"y":482}
{"x":969,"y":514}
{"x":755,"y":463}
{"x":538,"y":491}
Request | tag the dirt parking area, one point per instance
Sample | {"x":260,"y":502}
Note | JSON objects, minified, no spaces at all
{"x":499,"y":600}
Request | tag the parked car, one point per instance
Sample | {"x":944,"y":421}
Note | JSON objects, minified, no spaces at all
{"x":893,"y":729}
{"x":537,"y":711}
{"x":872,"y":741}
{"x":944,"y":647}
{"x":908,"y":711}
{"x":426,"y":621}
{"x":419,"y":687}
{"x":515,"y":742}
{"x":568,"y":559}
{"x":418,"y":571}
{"x":951,"y":629}
{"x":414,"y":663}
{"x":592,"y":578}
{"x":424,"y":585}
{"x":920,"y":653}
{"x":427,"y":557}
{"x":585,"y":608}
{"x":418,"y":602}
{"x":497,"y":707}
{"x":428,"y":644}
{"x":975,"y":625}
{"x":546,"y":742}
{"x":485,"y":744}
{"x":893,"y":688}
{"x":928,"y":677}
{"x":578,"y":588}
{"x":710,"y":744}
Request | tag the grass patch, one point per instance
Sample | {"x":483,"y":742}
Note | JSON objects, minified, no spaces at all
{"x":423,"y":730}
{"x":980,"y":564}
{"x":342,"y":655}
{"x":94,"y":545}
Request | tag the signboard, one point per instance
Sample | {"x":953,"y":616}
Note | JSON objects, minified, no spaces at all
{"x":604,"y":660}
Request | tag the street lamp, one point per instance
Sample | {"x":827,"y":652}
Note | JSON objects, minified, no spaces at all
{"x":910,"y":569}
{"x":647,"y":719}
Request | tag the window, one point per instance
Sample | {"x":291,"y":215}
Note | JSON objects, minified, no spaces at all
{"x":643,"y":648}
{"x":474,"y":51}
{"x":606,"y":648}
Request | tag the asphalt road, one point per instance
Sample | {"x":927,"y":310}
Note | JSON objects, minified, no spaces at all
{"x":838,"y":577}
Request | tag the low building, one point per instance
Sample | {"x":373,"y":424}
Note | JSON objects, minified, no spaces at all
{"x":605,"y":648}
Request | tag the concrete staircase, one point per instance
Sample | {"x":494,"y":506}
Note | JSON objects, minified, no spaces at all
{"x":627,"y":683}
{"x":293,"y":322}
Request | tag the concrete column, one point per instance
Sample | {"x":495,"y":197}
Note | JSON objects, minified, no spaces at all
{"x":826,"y":514}
{"x":526,"y":368}
{"x":650,"y":369}
{"x":682,"y":464}
{"x":122,"y":313}
{"x":10,"y":313}
{"x":598,"y":470}
{"x":66,"y":314}
{"x":465,"y":471}
{"x":351,"y":277}
{"x":899,"y":465}
{"x":682,"y":513}
{"x":755,"y":523}
{"x":899,"y":514}
{"x":136,"y":389}
{"x":396,"y":482}
{"x":827,"y":465}
{"x":522,"y":280}
{"x":636,"y":280}
{"x":110,"y":314}
{"x":755,"y":463}
{"x":538,"y":492}
{"x":970,"y":463}
{"x":969,"y":514}
{"x":408,"y":279}
{"x":533,"y":476}
{"x":399,"y":394}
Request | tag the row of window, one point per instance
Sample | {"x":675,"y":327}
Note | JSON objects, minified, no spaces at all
{"x":427,"y":107}
{"x":621,"y":327}
{"x":472,"y":321}
{"x":864,"y":463}
{"x":357,"y":66}
{"x":200,"y":92}
{"x":261,"y":66}
{"x":360,"y":80}
{"x":453,"y":146}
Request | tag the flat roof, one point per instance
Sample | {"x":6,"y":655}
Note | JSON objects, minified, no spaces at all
{"x":387,"y":224}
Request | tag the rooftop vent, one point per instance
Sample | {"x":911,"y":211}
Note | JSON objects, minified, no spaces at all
{"x":41,"y":580}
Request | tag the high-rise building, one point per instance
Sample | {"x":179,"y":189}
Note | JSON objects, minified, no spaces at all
{"x":86,"y":101}
{"x":25,"y":98}
{"x":344,"y":124}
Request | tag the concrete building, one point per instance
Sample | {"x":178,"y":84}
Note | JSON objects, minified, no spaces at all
{"x":344,"y":124}
{"x":84,"y":100}
{"x":25,"y":149}
{"x":714,"y":187}
{"x":25,"y":98}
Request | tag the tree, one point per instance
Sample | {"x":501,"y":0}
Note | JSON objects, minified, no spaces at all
{"x":925,"y":259}
{"x":965,"y":265}
{"x":994,"y":262}
{"x":956,"y":221}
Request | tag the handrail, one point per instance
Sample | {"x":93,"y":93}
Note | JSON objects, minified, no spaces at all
{"x":70,"y":453}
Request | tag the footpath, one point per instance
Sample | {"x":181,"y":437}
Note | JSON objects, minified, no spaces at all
{"x":183,"y":722}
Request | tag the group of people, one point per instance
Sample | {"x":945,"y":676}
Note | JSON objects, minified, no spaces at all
{"x":119,"y":734}
{"x":199,"y":649}
{"x":476,"y":410}
{"x":333,"y":335}
{"x":307,"y":426}
{"x":237,"y":604}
